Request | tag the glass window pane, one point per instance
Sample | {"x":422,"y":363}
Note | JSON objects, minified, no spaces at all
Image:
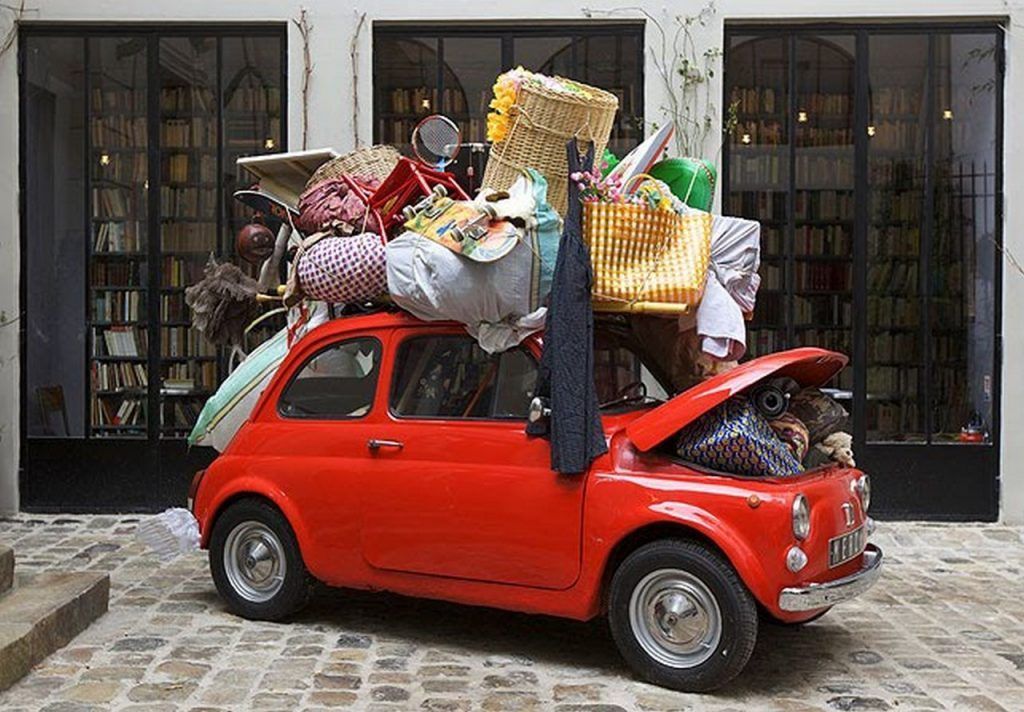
{"x":188,"y":219}
{"x":758,"y":76}
{"x":118,"y":274}
{"x":405,"y":86}
{"x":471,"y":65}
{"x":452,"y":377}
{"x":611,"y":63}
{"x":962,"y":297}
{"x":547,"y":55}
{"x":898,"y":78}
{"x":56,"y":240}
{"x":823,"y":209}
{"x":336,"y":383}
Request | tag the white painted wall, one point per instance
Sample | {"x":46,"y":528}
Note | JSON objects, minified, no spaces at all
{"x":330,"y":110}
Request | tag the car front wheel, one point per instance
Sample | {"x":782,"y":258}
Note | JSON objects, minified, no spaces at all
{"x":256,"y":563}
{"x":681,"y":617}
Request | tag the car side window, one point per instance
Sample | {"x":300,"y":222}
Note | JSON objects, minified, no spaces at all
{"x":336,"y":383}
{"x":452,"y":377}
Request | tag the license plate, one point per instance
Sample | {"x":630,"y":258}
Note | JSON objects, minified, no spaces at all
{"x":846,"y":546}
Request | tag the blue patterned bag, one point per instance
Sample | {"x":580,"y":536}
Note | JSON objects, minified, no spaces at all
{"x":735,"y":438}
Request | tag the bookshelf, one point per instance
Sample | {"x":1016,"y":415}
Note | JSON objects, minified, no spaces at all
{"x":870,"y":157}
{"x":167,"y":117}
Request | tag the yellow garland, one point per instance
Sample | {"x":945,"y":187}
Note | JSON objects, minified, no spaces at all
{"x":502,"y":103}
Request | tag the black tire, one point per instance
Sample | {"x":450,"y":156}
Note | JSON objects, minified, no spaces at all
{"x":709,"y":574}
{"x":257,"y":517}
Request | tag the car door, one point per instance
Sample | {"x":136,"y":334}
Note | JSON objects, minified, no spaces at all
{"x":461,"y":490}
{"x":314,"y":443}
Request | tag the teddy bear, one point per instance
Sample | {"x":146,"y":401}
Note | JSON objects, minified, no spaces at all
{"x":838,"y":447}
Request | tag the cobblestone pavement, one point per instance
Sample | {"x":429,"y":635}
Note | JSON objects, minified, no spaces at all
{"x":944,"y":629}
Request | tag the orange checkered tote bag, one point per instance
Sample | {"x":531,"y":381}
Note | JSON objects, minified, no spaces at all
{"x":646,"y":259}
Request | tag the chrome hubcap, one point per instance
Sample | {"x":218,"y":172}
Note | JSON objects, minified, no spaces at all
{"x":675,"y":618}
{"x":254,"y":562}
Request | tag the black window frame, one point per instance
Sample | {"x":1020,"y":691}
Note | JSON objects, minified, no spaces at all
{"x":396,"y":374}
{"x":378,"y":348}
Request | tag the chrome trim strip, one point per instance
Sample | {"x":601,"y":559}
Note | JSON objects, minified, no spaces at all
{"x":821,"y":595}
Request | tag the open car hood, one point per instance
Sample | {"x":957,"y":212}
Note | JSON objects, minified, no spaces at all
{"x":810,"y":367}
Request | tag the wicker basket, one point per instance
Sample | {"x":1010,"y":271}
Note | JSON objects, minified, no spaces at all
{"x":368,"y":162}
{"x":646,"y":260}
{"x":542,"y":122}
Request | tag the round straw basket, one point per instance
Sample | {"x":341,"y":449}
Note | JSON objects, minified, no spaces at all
{"x":368,"y":162}
{"x":542,"y":121}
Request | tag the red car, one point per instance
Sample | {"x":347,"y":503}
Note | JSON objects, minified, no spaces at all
{"x":388,"y":453}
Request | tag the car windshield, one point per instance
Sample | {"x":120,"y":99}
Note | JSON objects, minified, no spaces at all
{"x":624,"y":375}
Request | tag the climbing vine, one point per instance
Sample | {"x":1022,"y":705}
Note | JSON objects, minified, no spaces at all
{"x":685,"y":70}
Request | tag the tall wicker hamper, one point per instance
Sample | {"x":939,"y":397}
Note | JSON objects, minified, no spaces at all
{"x":542,"y":122}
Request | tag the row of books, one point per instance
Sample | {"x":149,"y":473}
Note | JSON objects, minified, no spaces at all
{"x":131,"y":411}
{"x":897,"y":135}
{"x":180,"y":413}
{"x":187,"y":98}
{"x":121,"y":167}
{"x":892,"y":312}
{"x":188,"y":236}
{"x":266,"y":99}
{"x":894,"y":346}
{"x":177,"y":168}
{"x":121,"y":100}
{"x":823,"y":205}
{"x":186,"y":133}
{"x":173,"y":307}
{"x":888,"y":241}
{"x":250,"y":133}
{"x":831,"y":240}
{"x":179,"y":341}
{"x":768,"y":132}
{"x":118,"y":376}
{"x":893,"y":277}
{"x":113,"y":202}
{"x":757,"y":100}
{"x":119,"y":341}
{"x":766,"y":100}
{"x":121,"y":273}
{"x":895,"y":100}
{"x":831,"y":309}
{"x":892,"y":382}
{"x":118,"y":131}
{"x":181,"y":272}
{"x":109,"y":305}
{"x":202,"y":373}
{"x":823,"y":276}
{"x":181,"y":202}
{"x":116,"y":236}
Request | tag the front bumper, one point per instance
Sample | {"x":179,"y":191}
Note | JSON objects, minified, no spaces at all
{"x":822,"y":595}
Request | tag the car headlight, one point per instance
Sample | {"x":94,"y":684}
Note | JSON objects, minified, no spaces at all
{"x":862,"y":486}
{"x":801,"y":517}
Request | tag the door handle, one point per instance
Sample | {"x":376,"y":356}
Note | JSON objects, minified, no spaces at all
{"x":374,"y":444}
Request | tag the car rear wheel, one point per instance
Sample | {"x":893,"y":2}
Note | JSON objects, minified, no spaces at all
{"x":256,"y":563}
{"x":681,"y":617}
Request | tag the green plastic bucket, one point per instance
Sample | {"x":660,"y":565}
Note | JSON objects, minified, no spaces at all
{"x":692,"y":180}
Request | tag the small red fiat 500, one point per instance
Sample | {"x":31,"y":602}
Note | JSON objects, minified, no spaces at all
{"x":388,"y":453}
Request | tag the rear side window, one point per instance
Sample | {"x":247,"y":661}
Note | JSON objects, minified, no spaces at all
{"x":452,"y":377}
{"x":336,"y":383}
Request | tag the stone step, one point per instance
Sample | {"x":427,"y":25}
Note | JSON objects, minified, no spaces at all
{"x":42,"y":613}
{"x":6,"y":568}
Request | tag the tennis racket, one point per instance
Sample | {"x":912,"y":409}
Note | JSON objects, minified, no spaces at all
{"x":436,"y":141}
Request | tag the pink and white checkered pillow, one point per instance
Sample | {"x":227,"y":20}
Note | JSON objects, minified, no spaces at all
{"x":344,"y":269}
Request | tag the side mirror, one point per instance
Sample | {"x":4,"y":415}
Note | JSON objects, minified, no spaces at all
{"x":538,"y":409}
